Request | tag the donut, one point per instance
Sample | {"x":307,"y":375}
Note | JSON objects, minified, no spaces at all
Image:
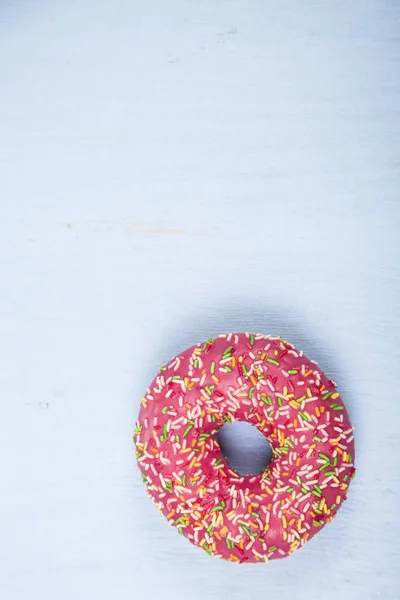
{"x":267,"y":382}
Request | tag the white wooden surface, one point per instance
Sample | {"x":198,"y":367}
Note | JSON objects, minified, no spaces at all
{"x":168,"y":171}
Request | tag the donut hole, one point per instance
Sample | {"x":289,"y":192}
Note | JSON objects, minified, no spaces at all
{"x":245,"y":448}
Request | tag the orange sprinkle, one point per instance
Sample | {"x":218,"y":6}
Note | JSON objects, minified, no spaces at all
{"x":222,"y":473}
{"x":298,"y":462}
{"x":217,"y":536}
{"x":233,"y":361}
{"x":308,"y":373}
{"x":263,"y":355}
{"x":266,"y":526}
{"x":253,"y":380}
{"x":188,"y":405}
{"x":169,"y":515}
{"x":322,"y":408}
{"x":292,"y":521}
{"x":241,"y":544}
{"x":224,"y":530}
{"x":233,"y":557}
{"x":295,"y":423}
{"x":193,"y":461}
{"x":317,"y":412}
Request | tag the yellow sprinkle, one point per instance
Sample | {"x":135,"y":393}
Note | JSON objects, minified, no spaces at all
{"x":284,"y":535}
{"x":215,"y":378}
{"x":284,"y":521}
{"x":335,"y":395}
{"x":309,"y":394}
{"x":276,"y":352}
{"x":285,"y":390}
{"x":240,"y":359}
{"x":186,"y":450}
{"x":299,"y":525}
{"x":266,"y":526}
{"x":337,"y":499}
{"x":192,"y":463}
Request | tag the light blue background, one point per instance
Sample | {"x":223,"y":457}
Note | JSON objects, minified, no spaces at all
{"x":169,"y":171}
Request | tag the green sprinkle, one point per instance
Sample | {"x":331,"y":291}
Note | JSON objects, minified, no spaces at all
{"x":333,"y":506}
{"x":290,"y":490}
{"x":251,"y":390}
{"x":327,"y":396}
{"x":261,"y":540}
{"x":335,"y":461}
{"x":227,"y":352}
{"x":210,"y":529}
{"x":163,"y":369}
{"x":144,"y":477}
{"x":227,"y":419}
{"x":165,"y":431}
{"x":218,"y":507}
{"x":138,"y":429}
{"x":247,"y":532}
{"x":324,"y":456}
{"x":280,"y":401}
{"x":330,"y":473}
{"x":228,"y":369}
{"x":244,"y":369}
{"x":352,"y":475}
{"x":317,"y":439}
{"x":273,"y":361}
{"x":289,"y":443}
{"x":316,"y":487}
{"x":255,"y":514}
{"x":196,"y":363}
{"x":322,"y":467}
{"x":207,"y":549}
{"x":176,"y":377}
{"x":316,"y":493}
{"x":339,"y":408}
{"x":267,"y":400}
{"x":304,"y":490}
{"x":252,"y":340}
{"x":184,"y":480}
{"x":218,"y":462}
{"x":303,"y":416}
{"x":180,"y":529}
{"x":177,"y":438}
{"x":272,"y":549}
{"x":212,"y":367}
{"x":204,"y":435}
{"x":317,"y":523}
{"x":301,"y":399}
{"x":292,"y":372}
{"x":187,"y":430}
{"x":164,"y":410}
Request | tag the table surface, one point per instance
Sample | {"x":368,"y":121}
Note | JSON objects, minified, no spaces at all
{"x":170,"y":171}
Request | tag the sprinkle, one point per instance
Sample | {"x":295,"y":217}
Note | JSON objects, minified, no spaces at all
{"x":272,"y":361}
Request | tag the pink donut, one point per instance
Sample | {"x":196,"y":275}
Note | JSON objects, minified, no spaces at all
{"x":268,"y":383}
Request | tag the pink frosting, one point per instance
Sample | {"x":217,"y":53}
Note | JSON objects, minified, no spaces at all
{"x":268,"y":383}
